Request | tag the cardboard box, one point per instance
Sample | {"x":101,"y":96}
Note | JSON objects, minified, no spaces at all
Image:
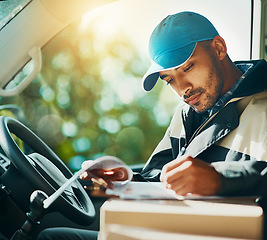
{"x":188,"y":217}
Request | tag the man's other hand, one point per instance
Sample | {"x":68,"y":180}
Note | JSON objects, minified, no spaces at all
{"x":115,"y":174}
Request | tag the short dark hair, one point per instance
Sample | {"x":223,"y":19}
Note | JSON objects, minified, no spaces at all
{"x":206,"y":44}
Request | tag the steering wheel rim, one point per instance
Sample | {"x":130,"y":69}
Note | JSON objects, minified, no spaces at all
{"x":84,"y":215}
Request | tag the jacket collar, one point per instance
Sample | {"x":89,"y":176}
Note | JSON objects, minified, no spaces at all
{"x":255,"y":81}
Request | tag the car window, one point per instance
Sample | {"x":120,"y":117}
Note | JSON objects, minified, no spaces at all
{"x":88,"y":100}
{"x":9,"y":9}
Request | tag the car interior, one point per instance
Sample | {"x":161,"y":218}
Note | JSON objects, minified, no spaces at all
{"x":41,"y":147}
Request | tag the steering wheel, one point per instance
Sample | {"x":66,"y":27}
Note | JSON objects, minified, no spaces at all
{"x":45,"y":171}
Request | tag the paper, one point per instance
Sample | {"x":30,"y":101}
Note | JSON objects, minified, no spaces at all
{"x":111,"y":162}
{"x":144,"y":190}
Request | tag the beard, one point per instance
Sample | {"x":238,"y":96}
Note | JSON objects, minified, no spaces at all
{"x":211,"y":92}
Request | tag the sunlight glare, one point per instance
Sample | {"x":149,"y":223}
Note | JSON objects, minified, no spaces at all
{"x":107,"y":24}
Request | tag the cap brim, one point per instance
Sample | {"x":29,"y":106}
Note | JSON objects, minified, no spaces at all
{"x":151,"y":77}
{"x":166,"y":61}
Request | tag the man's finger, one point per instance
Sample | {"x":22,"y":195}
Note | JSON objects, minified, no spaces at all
{"x":175,"y":163}
{"x":174,"y":172}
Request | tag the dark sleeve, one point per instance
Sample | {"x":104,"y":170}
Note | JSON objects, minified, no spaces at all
{"x":152,"y":169}
{"x":243,"y":178}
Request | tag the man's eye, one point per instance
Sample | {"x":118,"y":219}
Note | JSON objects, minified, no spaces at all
{"x":169,"y":81}
{"x":188,"y":68}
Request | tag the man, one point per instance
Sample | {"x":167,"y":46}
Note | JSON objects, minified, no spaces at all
{"x":216,"y":143}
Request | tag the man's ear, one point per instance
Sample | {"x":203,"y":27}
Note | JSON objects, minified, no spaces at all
{"x":219,"y":46}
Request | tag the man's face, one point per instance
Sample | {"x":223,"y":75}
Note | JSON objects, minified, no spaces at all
{"x":199,"y":81}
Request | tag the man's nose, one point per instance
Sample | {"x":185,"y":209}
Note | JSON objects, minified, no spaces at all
{"x":182,"y":87}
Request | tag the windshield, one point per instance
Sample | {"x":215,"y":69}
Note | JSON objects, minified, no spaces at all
{"x":9,"y":9}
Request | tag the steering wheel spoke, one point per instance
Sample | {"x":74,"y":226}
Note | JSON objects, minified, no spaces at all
{"x":70,"y":195}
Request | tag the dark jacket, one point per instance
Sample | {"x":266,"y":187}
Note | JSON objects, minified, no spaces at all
{"x":233,"y":140}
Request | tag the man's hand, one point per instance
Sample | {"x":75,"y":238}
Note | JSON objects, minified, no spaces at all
{"x":187,"y":175}
{"x":115,"y":174}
